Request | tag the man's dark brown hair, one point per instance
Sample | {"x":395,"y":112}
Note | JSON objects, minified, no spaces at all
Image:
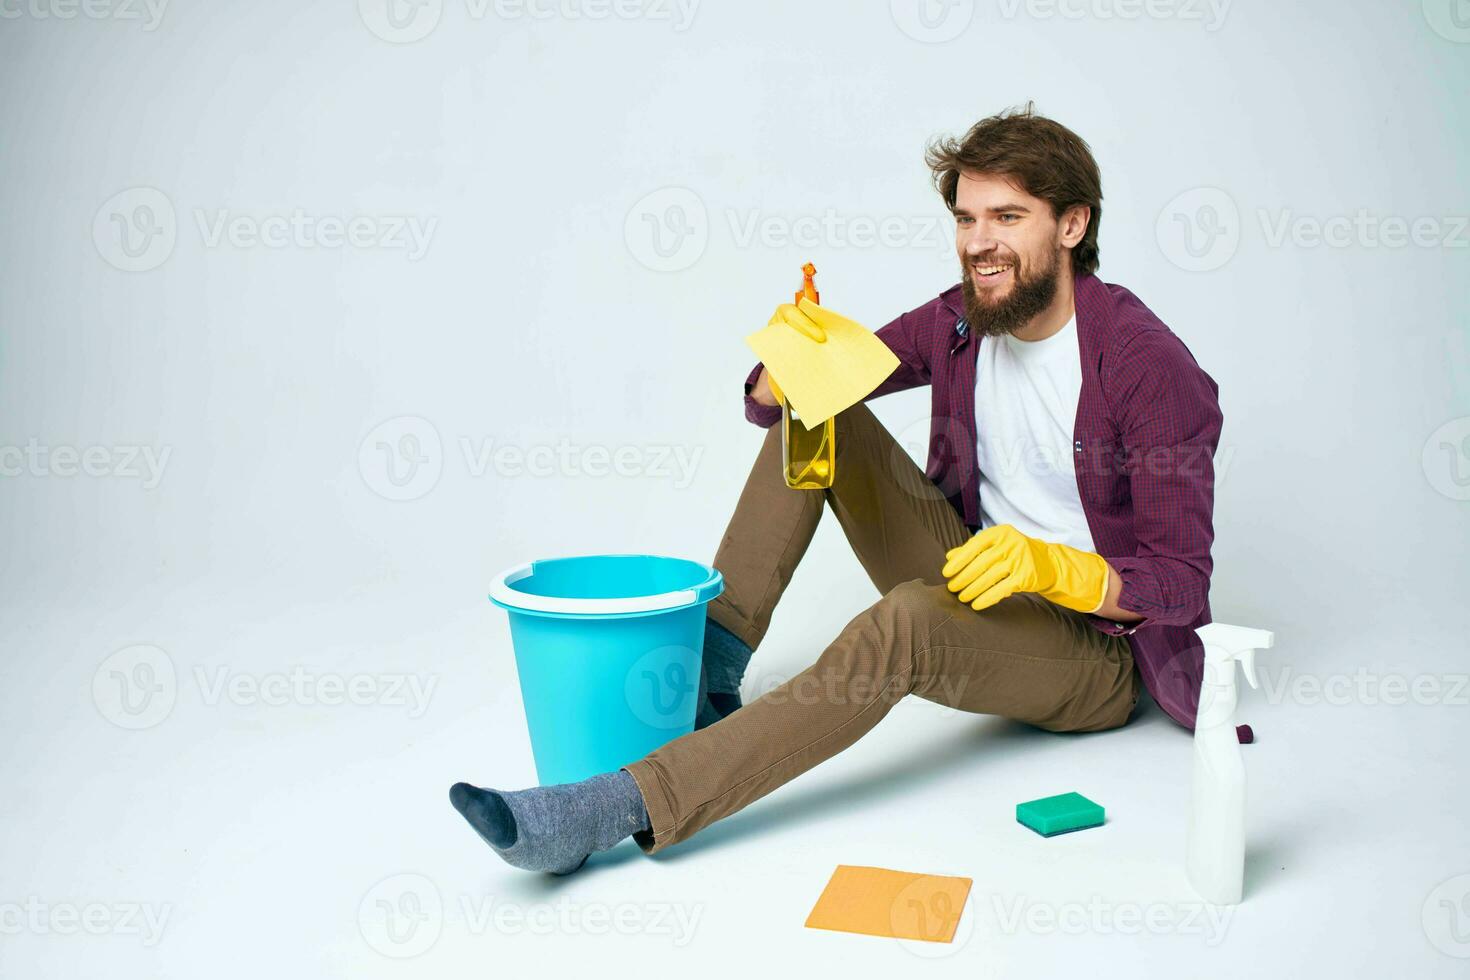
{"x":1044,"y":157}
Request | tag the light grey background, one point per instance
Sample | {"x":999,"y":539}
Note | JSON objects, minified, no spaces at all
{"x":605,"y":198}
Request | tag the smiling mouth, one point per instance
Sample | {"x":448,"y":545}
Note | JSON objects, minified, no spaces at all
{"x":991,"y":273}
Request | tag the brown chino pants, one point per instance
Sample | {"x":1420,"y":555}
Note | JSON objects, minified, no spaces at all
{"x":1023,"y":658}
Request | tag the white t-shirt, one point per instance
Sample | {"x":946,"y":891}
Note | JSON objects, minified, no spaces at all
{"x":1025,"y":410}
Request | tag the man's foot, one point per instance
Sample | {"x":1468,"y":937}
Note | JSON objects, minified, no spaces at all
{"x":554,"y":828}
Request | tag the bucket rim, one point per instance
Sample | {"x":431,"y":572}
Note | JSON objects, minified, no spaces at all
{"x":504,"y":595}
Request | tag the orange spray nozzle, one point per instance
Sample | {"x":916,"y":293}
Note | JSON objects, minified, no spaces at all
{"x":808,"y":286}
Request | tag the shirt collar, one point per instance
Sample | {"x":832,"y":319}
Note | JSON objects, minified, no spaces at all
{"x":953,"y":300}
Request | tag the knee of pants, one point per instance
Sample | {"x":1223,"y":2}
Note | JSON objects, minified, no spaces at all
{"x":854,"y":426}
{"x":888,"y":635}
{"x":854,"y":417}
{"x":851,"y":420}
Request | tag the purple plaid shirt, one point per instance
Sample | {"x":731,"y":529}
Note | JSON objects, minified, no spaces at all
{"x":1148,"y":422}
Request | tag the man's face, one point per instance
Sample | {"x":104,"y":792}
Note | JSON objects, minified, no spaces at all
{"x":1010,"y":250}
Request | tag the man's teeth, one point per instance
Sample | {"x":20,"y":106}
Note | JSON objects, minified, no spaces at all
{"x":991,"y":270}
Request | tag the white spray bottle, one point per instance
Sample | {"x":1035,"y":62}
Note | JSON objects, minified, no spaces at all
{"x":1215,"y":842}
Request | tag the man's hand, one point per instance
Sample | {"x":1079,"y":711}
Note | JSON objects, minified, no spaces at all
{"x":764,"y":391}
{"x":1001,"y":561}
{"x":807,"y":319}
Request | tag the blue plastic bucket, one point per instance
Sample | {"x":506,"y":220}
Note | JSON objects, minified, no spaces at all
{"x":608,"y":649}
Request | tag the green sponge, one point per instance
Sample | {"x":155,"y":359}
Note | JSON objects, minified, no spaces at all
{"x":1060,"y":814}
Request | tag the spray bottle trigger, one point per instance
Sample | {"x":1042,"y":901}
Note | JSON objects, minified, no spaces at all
{"x":1247,"y":660}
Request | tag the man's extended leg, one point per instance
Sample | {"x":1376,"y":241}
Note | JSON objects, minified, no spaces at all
{"x":1023,"y":658}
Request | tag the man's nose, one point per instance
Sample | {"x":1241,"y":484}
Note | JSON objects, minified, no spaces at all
{"x":978,"y":242}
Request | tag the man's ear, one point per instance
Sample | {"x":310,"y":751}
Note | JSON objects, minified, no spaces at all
{"x":1073,"y":224}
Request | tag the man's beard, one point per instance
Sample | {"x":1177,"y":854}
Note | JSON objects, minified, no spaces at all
{"x":1028,"y":297}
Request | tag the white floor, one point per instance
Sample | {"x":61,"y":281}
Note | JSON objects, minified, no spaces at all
{"x":232,"y":837}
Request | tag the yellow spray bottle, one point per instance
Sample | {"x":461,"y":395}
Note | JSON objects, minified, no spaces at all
{"x":810,"y":454}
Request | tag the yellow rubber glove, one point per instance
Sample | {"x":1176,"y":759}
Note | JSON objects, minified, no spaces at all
{"x":858,"y":352}
{"x":1001,"y":561}
{"x":806,"y":319}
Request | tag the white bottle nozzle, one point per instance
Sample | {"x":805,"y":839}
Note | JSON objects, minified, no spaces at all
{"x":1240,"y":643}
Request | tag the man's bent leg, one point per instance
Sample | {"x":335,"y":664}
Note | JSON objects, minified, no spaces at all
{"x":898,"y":522}
{"x":1023,"y":658}
{"x":767,"y":535}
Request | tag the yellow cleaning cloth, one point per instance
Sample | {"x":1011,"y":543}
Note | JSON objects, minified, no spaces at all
{"x":879,"y":902}
{"x":821,"y":379}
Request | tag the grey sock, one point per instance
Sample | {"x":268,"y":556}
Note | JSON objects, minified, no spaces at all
{"x":705,"y":713}
{"x":725,"y":659}
{"x":554,"y":828}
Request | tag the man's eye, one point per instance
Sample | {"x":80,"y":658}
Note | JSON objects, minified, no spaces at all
{"x":963,"y":221}
{"x":1009,"y":218}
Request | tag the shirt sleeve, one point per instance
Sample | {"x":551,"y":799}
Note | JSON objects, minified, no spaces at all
{"x":900,"y":335}
{"x":1169,"y":423}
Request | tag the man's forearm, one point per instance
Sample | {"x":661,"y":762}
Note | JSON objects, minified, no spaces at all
{"x":1110,"y":608}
